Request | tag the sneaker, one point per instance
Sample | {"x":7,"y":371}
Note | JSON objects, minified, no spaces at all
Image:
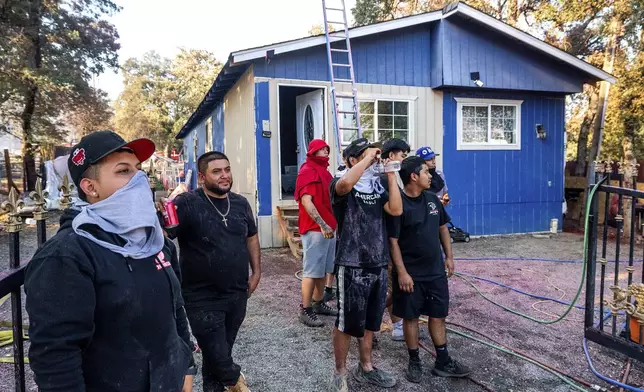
{"x":397,"y":334}
{"x":328,"y":296}
{"x":414,"y":371}
{"x":376,"y":377}
{"x":241,"y":385}
{"x":324,"y":309}
{"x":310,"y":319}
{"x":339,"y":383}
{"x":451,"y":369}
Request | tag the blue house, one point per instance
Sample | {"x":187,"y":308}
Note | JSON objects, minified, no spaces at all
{"x":488,"y":97}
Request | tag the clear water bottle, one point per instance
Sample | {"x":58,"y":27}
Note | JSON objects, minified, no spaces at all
{"x":391,"y":166}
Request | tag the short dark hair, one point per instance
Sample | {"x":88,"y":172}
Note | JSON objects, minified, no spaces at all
{"x":410,"y":165}
{"x":205,"y":159}
{"x":394,"y":145}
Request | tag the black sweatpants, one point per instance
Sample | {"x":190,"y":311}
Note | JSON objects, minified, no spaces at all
{"x":216,"y":330}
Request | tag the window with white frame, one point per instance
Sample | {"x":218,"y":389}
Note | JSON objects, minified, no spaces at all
{"x":380,"y":119}
{"x":208,"y":146}
{"x":488,"y":124}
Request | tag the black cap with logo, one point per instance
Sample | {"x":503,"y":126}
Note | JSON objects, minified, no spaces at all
{"x":357,"y":147}
{"x":96,"y":146}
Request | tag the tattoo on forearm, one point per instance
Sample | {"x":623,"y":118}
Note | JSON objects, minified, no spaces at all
{"x":313,"y":213}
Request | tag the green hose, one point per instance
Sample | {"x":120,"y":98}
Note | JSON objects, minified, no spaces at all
{"x":581,"y":283}
{"x":502,"y":349}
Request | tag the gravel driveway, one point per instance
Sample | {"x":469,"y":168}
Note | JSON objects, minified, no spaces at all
{"x":278,"y":354}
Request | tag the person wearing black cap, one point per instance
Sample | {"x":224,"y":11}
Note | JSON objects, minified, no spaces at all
{"x":362,"y":254}
{"x":395,"y":150}
{"x":418,"y":239}
{"x":103,"y":294}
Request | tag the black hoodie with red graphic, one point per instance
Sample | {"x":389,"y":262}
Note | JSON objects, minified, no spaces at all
{"x":103,"y":322}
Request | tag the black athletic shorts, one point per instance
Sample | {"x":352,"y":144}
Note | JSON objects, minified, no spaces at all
{"x":362,"y":294}
{"x":428,"y":298}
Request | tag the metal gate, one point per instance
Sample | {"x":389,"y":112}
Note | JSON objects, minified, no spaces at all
{"x":614,"y":311}
{"x":12,"y":280}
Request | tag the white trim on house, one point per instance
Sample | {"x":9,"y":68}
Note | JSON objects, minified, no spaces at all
{"x":303,"y":43}
{"x":279,"y":129}
{"x":460,"y":145}
{"x":461,"y":8}
{"x":411,"y":112}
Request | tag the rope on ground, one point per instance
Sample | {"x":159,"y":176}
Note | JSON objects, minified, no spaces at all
{"x":523,"y":357}
{"x":579,"y":380}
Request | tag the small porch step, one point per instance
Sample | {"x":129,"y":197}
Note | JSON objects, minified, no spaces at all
{"x":288,"y":219}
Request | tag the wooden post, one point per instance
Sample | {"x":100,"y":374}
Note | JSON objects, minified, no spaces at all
{"x":7,"y":167}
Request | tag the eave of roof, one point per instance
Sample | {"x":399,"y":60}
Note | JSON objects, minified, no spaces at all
{"x":238,"y":62}
{"x":228,"y":76}
{"x":455,"y":8}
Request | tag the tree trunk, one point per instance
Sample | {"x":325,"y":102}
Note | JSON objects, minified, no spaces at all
{"x":584,"y":131}
{"x":34,"y":61}
{"x":598,"y":125}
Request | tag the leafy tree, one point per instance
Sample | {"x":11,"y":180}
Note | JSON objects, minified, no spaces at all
{"x":318,"y":29}
{"x":161,"y":94}
{"x":49,"y":49}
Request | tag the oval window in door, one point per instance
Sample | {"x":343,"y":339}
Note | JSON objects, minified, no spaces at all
{"x":309,"y":128}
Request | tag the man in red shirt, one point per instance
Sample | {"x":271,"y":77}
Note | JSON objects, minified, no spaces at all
{"x":317,"y":228}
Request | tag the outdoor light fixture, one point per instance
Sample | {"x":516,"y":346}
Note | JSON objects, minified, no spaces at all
{"x":269,"y":55}
{"x":476,"y":78}
{"x":541,"y":131}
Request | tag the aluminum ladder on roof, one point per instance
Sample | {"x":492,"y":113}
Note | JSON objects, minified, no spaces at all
{"x":338,"y":67}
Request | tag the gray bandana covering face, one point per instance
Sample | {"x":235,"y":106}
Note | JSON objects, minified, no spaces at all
{"x":128,"y":213}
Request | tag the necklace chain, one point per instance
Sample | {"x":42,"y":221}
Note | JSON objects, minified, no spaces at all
{"x":217,"y":209}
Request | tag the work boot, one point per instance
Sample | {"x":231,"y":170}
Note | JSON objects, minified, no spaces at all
{"x":324,"y":309}
{"x":397,"y":334}
{"x":376,"y":377}
{"x":241,"y":385}
{"x":339,"y":383}
{"x":451,"y":369}
{"x":309,"y":318}
{"x":414,"y":371}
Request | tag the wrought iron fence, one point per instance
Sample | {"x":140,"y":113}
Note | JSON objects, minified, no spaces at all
{"x":11,"y":281}
{"x":619,"y":322}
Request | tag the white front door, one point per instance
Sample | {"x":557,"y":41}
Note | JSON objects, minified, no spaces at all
{"x":309,"y":111}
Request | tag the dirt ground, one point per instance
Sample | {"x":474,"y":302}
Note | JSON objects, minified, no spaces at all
{"x":277,"y":353}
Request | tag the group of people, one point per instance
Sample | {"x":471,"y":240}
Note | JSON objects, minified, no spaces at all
{"x":383,"y":235}
{"x":110,"y":302}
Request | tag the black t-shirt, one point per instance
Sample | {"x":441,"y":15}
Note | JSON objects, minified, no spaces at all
{"x":214,"y":257}
{"x":362,"y":232}
{"x":417,"y":230}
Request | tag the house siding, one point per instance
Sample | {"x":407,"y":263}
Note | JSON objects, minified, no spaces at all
{"x":507,"y":192}
{"x":399,"y":57}
{"x":465,"y":46}
{"x":239,"y":139}
{"x":218,"y":128}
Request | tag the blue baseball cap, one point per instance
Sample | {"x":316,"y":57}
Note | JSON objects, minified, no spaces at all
{"x":426,"y":153}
